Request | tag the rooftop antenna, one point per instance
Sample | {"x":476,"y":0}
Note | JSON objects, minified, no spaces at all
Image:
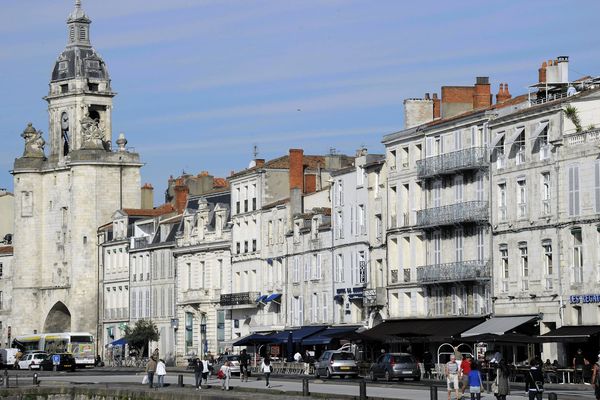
{"x":255,"y":152}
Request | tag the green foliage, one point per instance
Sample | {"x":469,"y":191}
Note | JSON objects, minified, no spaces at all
{"x":572,"y":113}
{"x":143,"y":332}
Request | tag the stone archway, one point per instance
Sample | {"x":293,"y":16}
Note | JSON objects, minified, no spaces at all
{"x":58,"y":319}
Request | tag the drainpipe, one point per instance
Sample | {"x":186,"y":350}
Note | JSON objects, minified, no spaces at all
{"x":558,"y":232}
{"x":491,"y":217}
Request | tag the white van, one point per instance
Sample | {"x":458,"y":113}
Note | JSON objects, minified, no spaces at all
{"x":8,"y":357}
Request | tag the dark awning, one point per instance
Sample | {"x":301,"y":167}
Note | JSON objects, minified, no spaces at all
{"x":329,"y":334}
{"x":499,"y":325}
{"x":424,"y":329}
{"x":574,"y":333}
{"x":273,"y":297}
{"x":262,"y":298}
{"x":119,"y":342}
{"x":297,"y":334}
{"x":255,"y":338}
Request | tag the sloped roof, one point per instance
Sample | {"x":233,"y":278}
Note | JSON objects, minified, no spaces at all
{"x":150,"y":212}
{"x":311,"y":162}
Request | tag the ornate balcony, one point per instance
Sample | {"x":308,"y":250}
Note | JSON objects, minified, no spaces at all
{"x":195,"y":296}
{"x":473,"y":270}
{"x":465,"y":159}
{"x":239,"y":300}
{"x":459,"y":213}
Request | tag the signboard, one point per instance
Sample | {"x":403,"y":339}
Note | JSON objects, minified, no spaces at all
{"x":584,"y":299}
{"x":362,"y":271}
{"x":56,"y":359}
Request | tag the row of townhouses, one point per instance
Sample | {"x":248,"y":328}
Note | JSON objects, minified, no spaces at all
{"x":477,"y":209}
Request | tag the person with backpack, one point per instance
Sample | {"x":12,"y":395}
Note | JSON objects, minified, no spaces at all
{"x":224,"y":375}
{"x":596,"y":378}
{"x":267,"y":368}
{"x":534,"y":380}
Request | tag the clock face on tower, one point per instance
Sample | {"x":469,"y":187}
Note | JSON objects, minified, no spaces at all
{"x":64,"y":122}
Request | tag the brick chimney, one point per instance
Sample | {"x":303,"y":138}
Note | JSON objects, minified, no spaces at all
{"x":482,"y":97}
{"x":147,"y":196}
{"x":503,"y":93}
{"x":259,"y":162}
{"x":542,"y":73}
{"x":437,"y":103}
{"x":296,"y":174}
{"x":181,"y":195}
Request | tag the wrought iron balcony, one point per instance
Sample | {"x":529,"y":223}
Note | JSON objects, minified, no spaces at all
{"x":459,"y":213}
{"x":465,"y":159}
{"x":239,"y":300}
{"x":472,"y":270}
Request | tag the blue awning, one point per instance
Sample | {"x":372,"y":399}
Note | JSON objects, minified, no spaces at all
{"x":262,"y":298}
{"x":119,"y":342}
{"x":329,"y":334}
{"x":272,"y":297}
{"x":255,"y":338}
{"x":297,"y":334}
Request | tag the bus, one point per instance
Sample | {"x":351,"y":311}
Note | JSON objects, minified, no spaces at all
{"x":80,"y":344}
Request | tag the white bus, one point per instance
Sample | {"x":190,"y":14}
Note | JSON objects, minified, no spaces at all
{"x":80,"y":344}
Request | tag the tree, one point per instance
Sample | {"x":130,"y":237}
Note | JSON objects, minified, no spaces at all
{"x":143,"y":332}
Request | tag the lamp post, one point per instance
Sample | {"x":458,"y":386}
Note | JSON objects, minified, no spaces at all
{"x":203,"y":335}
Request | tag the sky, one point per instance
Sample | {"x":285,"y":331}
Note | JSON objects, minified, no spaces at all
{"x":201,"y":82}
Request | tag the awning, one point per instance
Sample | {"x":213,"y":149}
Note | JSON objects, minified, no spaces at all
{"x":540,"y":127}
{"x":498,"y":325}
{"x":422,"y":329}
{"x":262,"y":298}
{"x":574,"y":333}
{"x":497,"y":140}
{"x":119,"y":342}
{"x":329,"y":334}
{"x":273,"y":297}
{"x":255,"y":338}
{"x":518,"y":131}
{"x":297,"y":334}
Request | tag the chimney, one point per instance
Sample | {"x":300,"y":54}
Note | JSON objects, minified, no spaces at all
{"x":259,"y":162}
{"x":296,"y":174}
{"x":181,"y":195}
{"x":436,"y":106}
{"x":482,"y":97}
{"x":147,"y":193}
{"x":542,"y":73}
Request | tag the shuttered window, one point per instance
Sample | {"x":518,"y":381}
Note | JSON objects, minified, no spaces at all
{"x":574,"y":190}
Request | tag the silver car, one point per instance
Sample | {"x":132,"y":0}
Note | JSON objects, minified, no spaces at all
{"x":336,"y":363}
{"x":233,"y":359}
{"x":395,"y":366}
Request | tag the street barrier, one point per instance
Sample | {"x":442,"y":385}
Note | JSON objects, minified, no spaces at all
{"x":305,"y":391}
{"x":362,"y":385}
{"x":180,"y":380}
{"x":433,"y":392}
{"x":552,"y":396}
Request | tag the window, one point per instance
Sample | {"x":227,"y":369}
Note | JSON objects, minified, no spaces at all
{"x":189,"y":276}
{"x":502,"y":201}
{"x":324,"y":304}
{"x":339,"y":268}
{"x":316,"y":270}
{"x":82,"y":35}
{"x":270,"y":233}
{"x":362,"y":228}
{"x":306,"y":270}
{"x":504,"y":268}
{"x":1,"y":270}
{"x":296,"y":270}
{"x":437,"y":247}
{"x":189,"y":331}
{"x":314,"y":308}
{"x":237,"y":248}
{"x":574,"y":190}
{"x":457,"y":141}
{"x":360,"y":176}
{"x":520,"y":147}
{"x":378,"y":227}
{"x":437,"y":193}
{"x":521,"y":198}
{"x":524,"y":263}
{"x":548,"y":268}
{"x":458,"y":244}
{"x":1,"y":301}
{"x":545,"y":193}
{"x":253,"y":244}
{"x":480,"y":244}
{"x":340,"y":225}
{"x":458,"y":188}
{"x":340,"y":192}
{"x":544,"y":142}
{"x":437,"y":295}
{"x":577,"y":256}
{"x":500,"y":157}
{"x":220,"y":325}
{"x":245,"y":246}
{"x":392,"y":160}
{"x":405,"y":157}
{"x":479,"y":193}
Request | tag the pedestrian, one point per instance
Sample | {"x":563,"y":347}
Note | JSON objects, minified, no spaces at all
{"x":579,"y":364}
{"x":596,"y":378}
{"x":150,"y":370}
{"x":474,"y":381}
{"x":534,"y":380}
{"x":205,"y":371}
{"x":452,"y":372}
{"x":501,"y":382}
{"x":197,"y":365}
{"x":428,"y":364}
{"x":155,"y":354}
{"x":298,"y":357}
{"x":244,"y":361}
{"x":465,"y":366}
{"x":266,"y":369}
{"x":161,"y":371}
{"x":224,"y":375}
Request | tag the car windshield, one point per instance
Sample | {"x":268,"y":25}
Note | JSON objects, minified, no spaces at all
{"x":404,"y":359}
{"x":39,"y":356}
{"x":342,"y":356}
{"x":233,"y":358}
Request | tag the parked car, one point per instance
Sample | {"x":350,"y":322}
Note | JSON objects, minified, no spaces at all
{"x":395,"y":366}
{"x":32,"y":360}
{"x":232,"y":358}
{"x":336,"y":363}
{"x":58,"y":362}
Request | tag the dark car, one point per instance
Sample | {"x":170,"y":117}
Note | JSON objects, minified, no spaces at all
{"x":58,"y":362}
{"x":332,"y":363}
{"x":395,"y":366}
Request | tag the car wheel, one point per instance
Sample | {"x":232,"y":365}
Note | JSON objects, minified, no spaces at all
{"x":372,"y":376}
{"x":328,"y":373}
{"x":388,"y":377}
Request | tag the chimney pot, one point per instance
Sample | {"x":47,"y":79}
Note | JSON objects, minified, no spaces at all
{"x":296,"y":172}
{"x":426,"y":96}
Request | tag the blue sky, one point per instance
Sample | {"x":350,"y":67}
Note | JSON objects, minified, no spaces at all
{"x":200,"y":82}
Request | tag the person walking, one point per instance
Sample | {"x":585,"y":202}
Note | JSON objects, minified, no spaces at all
{"x":150,"y":370}
{"x":534,"y":380}
{"x":161,"y":371}
{"x":452,"y":372}
{"x":225,"y":375}
{"x":474,"y":380}
{"x":596,"y":378}
{"x":197,"y":366}
{"x":502,"y":382}
{"x":579,"y":364}
{"x":244,"y":361}
{"x":266,"y":369}
{"x":465,"y":367}
{"x":205,"y":372}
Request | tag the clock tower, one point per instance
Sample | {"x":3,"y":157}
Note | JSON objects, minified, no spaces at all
{"x":66,"y":186}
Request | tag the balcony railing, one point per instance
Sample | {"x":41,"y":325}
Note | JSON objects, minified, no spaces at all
{"x":200,"y":296}
{"x":239,"y":299}
{"x":466,"y":212}
{"x":457,"y":271}
{"x":471,"y":158}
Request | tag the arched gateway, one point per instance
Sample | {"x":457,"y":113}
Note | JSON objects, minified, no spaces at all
{"x":58,"y":319}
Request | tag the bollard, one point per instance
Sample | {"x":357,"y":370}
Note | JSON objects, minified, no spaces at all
{"x":552,"y":396}
{"x":6,"y":381}
{"x":433,"y":392}
{"x":35,"y":379}
{"x":305,"y":391}
{"x":180,"y":380}
{"x":362,"y":390}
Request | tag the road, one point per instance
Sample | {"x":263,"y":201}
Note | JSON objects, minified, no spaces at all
{"x":407,"y":391}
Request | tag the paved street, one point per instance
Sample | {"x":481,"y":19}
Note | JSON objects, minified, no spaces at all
{"x":287,"y":385}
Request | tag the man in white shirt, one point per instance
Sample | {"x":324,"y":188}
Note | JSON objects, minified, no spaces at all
{"x":453,"y":376}
{"x":297,"y":357}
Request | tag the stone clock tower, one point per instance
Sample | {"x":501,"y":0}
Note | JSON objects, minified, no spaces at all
{"x":66,"y":186}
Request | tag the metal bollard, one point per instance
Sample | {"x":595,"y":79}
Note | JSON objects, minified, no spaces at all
{"x":552,"y":396}
{"x":180,"y":380}
{"x":362,"y":386}
{"x":6,"y":381}
{"x":433,"y":392}
{"x":35,"y":379}
{"x":305,"y":391}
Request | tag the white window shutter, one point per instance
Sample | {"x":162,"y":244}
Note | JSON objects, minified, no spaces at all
{"x":597,"y":188}
{"x":318,"y":271}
